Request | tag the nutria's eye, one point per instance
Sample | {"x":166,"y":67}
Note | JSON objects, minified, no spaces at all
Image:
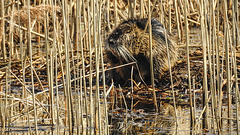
{"x":110,"y":41}
{"x":128,"y":31}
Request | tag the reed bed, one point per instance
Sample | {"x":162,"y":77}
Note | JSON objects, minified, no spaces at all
{"x":54,"y":76}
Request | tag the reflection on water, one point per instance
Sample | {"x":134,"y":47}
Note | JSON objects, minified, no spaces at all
{"x":141,"y":122}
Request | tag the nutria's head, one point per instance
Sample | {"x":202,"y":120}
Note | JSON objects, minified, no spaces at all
{"x":125,"y":40}
{"x":119,"y":40}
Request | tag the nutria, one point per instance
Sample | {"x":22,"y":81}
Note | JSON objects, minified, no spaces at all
{"x":130,"y":42}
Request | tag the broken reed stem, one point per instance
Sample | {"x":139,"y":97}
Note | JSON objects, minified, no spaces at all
{"x":25,"y":29}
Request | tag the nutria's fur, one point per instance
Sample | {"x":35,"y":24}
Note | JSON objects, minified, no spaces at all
{"x":128,"y":43}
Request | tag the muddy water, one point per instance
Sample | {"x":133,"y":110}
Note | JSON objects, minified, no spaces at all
{"x":121,"y":120}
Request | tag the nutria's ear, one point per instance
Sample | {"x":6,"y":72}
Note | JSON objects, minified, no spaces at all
{"x":126,"y":28}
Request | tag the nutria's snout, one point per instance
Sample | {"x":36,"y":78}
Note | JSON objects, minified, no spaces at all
{"x":130,"y":42}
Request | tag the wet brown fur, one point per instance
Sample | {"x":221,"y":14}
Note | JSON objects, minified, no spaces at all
{"x":130,"y":42}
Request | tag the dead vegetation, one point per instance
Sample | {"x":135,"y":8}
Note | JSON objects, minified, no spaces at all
{"x":53,"y":71}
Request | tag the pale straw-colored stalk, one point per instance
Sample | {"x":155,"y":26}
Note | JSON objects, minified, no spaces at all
{"x":188,"y":65}
{"x":204,"y":45}
{"x":91,"y":111}
{"x":151,"y":55}
{"x":31,"y":64}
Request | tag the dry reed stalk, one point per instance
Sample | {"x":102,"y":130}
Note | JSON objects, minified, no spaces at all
{"x":50,"y":65}
{"x":126,"y":110}
{"x":8,"y":82}
{"x":59,"y":52}
{"x":97,"y":41}
{"x":205,"y":87}
{"x":11,"y":37}
{"x":214,"y":50}
{"x":115,"y":13}
{"x":108,"y":14}
{"x":91,"y":34}
{"x":95,"y":44}
{"x":91,"y":111}
{"x":132,"y":87}
{"x":177,"y":18}
{"x":130,"y":9}
{"x":2,"y":115}
{"x":188,"y":65}
{"x":209,"y":54}
{"x":194,"y":101}
{"x":51,"y":86}
{"x":106,"y":131}
{"x":84,"y":68}
{"x":235,"y":44}
{"x":142,"y":9}
{"x":79,"y":109}
{"x":56,"y":67}
{"x":30,"y":53}
{"x":67,"y":92}
{"x":151,"y":55}
{"x":219,"y":88}
{"x":171,"y":78}
{"x":226,"y":39}
{"x":81,"y":102}
{"x":57,"y":96}
{"x":161,"y":12}
{"x":170,"y":15}
{"x":73,"y":68}
{"x":2,"y":27}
